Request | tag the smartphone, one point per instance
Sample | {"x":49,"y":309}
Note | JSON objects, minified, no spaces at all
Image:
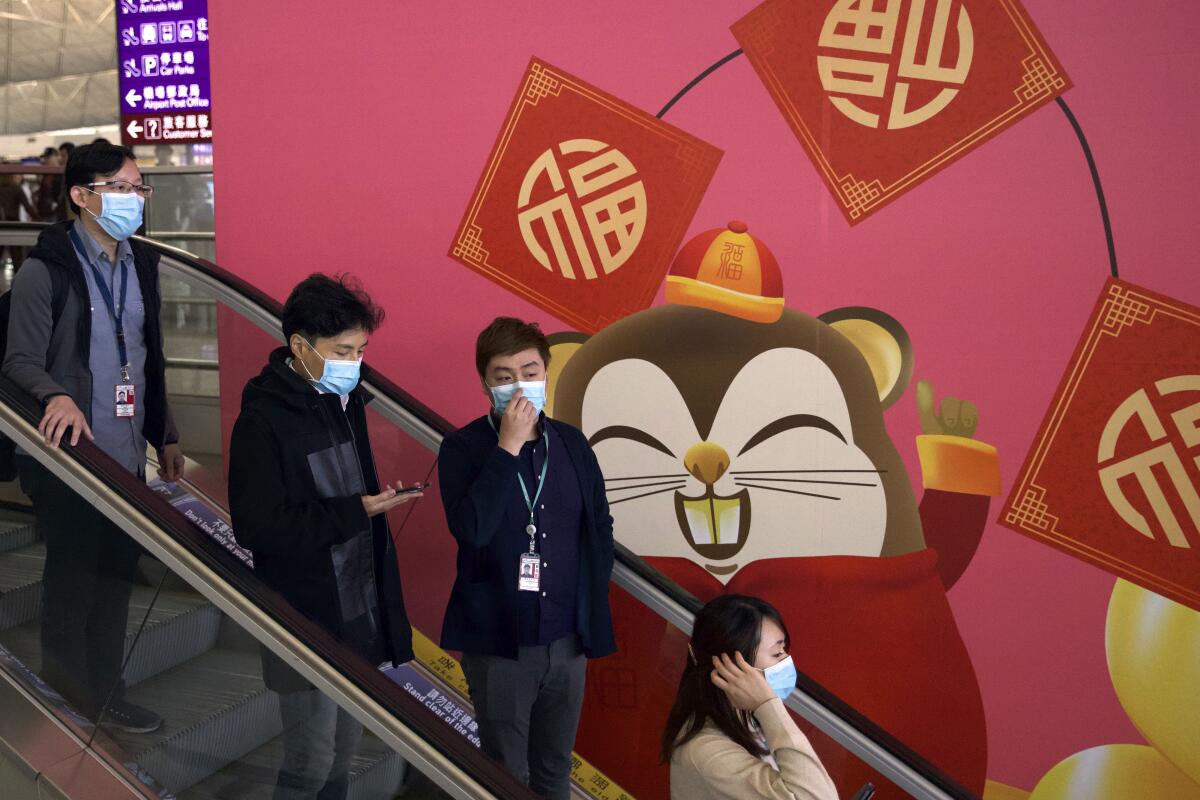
{"x":420,"y":487}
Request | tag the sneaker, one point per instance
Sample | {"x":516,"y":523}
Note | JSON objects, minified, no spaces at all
{"x":130,"y":718}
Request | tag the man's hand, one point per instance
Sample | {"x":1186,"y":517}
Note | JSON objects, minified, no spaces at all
{"x":517,"y":423}
{"x":61,"y":414}
{"x":375,"y":504}
{"x":170,"y":463}
{"x":956,"y":417}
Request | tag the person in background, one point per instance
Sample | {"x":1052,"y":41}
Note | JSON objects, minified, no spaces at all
{"x":104,"y":342}
{"x":306,"y":500}
{"x":729,"y":735}
{"x":524,"y":498}
{"x":13,"y":201}
{"x":48,"y":198}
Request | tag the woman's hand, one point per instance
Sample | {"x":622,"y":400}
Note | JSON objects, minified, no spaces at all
{"x":745,"y":686}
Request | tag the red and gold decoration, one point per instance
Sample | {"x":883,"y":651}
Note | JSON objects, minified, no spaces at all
{"x":1114,"y":473}
{"x":728,"y":270}
{"x":583,"y":201}
{"x":884,"y":93}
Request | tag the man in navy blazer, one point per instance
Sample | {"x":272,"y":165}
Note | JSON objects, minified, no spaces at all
{"x":524,"y":498}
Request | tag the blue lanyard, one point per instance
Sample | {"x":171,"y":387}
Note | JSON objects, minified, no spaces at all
{"x":531,"y":528}
{"x":116,"y":312}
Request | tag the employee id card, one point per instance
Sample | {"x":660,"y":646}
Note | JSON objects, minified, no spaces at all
{"x":125,"y":399}
{"x":529,"y":578}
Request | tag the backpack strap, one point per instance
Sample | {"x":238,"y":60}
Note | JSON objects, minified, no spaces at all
{"x":58,"y":294}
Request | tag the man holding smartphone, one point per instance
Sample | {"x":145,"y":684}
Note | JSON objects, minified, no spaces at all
{"x":307,"y":502}
{"x":524,"y":498}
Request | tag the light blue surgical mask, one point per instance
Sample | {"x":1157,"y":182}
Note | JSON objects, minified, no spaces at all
{"x":781,"y":677}
{"x":120,"y":214}
{"x":338,"y":377}
{"x":533,"y":391}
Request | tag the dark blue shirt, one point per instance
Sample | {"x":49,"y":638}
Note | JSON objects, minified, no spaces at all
{"x":549,"y":615}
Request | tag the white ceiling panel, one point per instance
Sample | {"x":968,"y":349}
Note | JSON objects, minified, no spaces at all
{"x":57,"y":64}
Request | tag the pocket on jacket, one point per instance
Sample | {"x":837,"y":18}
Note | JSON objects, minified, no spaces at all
{"x":331,"y":470}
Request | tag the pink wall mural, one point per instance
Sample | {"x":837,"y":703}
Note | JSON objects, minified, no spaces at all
{"x":352,"y":138}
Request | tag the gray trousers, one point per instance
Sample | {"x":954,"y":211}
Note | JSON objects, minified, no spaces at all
{"x":528,"y":711}
{"x":319,"y":740}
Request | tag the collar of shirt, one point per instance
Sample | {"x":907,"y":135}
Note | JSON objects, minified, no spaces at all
{"x":94,"y":254}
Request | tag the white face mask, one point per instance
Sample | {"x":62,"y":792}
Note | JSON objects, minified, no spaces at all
{"x":533,"y":391}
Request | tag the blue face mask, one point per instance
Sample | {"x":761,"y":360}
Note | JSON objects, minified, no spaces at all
{"x":338,"y":377}
{"x":533,"y":391}
{"x":781,"y":677}
{"x":120,"y":214}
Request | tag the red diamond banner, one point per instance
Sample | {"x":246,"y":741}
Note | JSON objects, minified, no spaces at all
{"x":584,"y":200}
{"x":884,"y":93}
{"x":1114,"y":474}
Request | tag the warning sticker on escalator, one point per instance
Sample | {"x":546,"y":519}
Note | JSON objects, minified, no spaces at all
{"x":444,"y":667}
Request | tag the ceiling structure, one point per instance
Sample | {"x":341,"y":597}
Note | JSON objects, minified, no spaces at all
{"x":58,"y":62}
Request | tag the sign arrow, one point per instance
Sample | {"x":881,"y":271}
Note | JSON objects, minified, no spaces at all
{"x":133,"y":98}
{"x":134,"y":128}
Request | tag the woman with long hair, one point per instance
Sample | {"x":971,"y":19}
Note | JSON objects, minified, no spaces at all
{"x":728,"y":734}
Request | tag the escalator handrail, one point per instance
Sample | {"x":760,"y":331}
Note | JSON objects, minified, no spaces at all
{"x":267,"y":616}
{"x":880,"y":745}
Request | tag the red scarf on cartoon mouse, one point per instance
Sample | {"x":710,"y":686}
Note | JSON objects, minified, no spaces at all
{"x":865,"y":628}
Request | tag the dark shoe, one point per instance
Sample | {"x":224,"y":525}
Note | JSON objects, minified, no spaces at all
{"x":130,"y":718}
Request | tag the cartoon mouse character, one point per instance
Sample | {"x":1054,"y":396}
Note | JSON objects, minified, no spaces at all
{"x":744,"y":450}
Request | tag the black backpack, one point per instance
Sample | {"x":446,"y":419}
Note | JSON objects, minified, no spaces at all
{"x":58,"y":301}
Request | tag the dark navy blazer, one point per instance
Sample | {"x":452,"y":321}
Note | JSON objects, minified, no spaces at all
{"x":478,"y":480}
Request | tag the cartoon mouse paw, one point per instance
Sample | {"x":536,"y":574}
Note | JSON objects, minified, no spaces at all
{"x":954,"y":418}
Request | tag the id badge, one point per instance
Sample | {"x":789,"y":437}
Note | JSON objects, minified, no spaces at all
{"x":529,"y":578}
{"x":125,"y":400}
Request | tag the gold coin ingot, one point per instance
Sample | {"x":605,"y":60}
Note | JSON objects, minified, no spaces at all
{"x":1153,"y":647}
{"x":612,"y":205}
{"x":1115,"y":772}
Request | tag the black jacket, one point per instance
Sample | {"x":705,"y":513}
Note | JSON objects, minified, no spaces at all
{"x":295,"y":490}
{"x":477,"y":480}
{"x":48,"y":357}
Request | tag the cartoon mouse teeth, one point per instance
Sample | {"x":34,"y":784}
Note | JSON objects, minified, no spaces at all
{"x":716,"y":527}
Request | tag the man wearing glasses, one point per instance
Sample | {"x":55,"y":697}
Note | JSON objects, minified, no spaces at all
{"x":84,"y":339}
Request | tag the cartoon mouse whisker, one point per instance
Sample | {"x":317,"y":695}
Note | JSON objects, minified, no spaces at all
{"x":788,"y":491}
{"x":670,"y":488}
{"x":647,"y":477}
{"x":805,"y":471}
{"x":674,"y":482}
{"x":807,"y":480}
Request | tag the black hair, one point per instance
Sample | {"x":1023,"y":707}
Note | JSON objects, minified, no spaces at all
{"x":507,"y":336}
{"x":91,"y":161}
{"x":49,"y":151}
{"x":67,"y":146}
{"x":322,"y":306}
{"x":730,"y":624}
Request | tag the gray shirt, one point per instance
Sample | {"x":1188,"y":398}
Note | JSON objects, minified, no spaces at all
{"x":120,"y":437}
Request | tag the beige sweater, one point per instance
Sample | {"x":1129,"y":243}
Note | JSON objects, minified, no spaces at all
{"x":713,"y":767}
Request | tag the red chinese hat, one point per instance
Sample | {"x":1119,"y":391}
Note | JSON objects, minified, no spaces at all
{"x":730,"y":271}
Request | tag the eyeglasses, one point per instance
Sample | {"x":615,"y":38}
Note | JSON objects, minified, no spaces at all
{"x":125,"y":187}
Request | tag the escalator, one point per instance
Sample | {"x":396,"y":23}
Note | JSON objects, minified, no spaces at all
{"x":199,"y":618}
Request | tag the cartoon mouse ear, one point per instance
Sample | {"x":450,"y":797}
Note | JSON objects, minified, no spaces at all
{"x":884,"y":344}
{"x":563,"y":345}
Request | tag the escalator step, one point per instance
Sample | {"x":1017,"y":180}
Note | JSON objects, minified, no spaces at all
{"x":14,"y":535}
{"x":180,"y":627}
{"x":375,"y":773}
{"x":21,"y":584}
{"x":215,"y":710}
